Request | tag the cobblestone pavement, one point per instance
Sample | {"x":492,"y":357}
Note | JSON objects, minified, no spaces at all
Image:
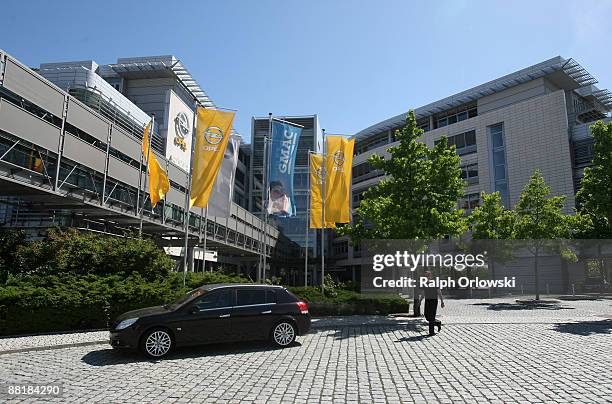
{"x":557,"y":352}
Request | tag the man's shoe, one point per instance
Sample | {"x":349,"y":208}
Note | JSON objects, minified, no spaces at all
{"x":431,"y":334}
{"x":439,"y":326}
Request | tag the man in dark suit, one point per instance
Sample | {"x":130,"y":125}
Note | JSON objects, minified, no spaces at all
{"x":431,"y":295}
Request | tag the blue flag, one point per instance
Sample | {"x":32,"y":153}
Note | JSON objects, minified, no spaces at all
{"x":285,"y":139}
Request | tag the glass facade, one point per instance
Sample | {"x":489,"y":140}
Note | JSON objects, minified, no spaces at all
{"x":498,"y":162}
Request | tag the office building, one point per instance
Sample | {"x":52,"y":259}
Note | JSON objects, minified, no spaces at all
{"x":505,"y":129}
{"x":70,"y":141}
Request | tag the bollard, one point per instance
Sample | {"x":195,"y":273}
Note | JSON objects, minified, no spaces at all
{"x":471,"y":293}
{"x":489,"y":293}
{"x":547,"y":289}
{"x":522,"y":292}
{"x":573,"y":290}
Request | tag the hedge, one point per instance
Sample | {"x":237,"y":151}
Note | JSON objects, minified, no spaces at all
{"x":76,"y":281}
{"x":342,"y":302}
{"x":31,"y":304}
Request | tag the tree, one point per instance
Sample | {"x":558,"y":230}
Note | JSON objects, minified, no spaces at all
{"x":595,"y":195}
{"x":86,"y":254}
{"x":492,"y":221}
{"x":10,"y":242}
{"x":539,"y":219}
{"x":419,"y":198}
{"x":594,"y":199}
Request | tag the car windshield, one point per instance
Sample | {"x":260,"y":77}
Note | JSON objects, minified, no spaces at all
{"x":185,"y":298}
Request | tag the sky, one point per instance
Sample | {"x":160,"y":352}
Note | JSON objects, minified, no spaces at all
{"x":354,"y":63}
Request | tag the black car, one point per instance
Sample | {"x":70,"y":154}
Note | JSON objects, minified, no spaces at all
{"x":214,"y":313}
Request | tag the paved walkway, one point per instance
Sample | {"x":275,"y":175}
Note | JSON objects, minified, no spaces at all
{"x":500,"y":351}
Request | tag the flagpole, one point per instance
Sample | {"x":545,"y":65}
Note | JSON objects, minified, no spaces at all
{"x":323,"y":169}
{"x":188,"y":192}
{"x":266,"y":193}
{"x":263,"y":208}
{"x":205,"y":232}
{"x":200,"y":234}
{"x":308,"y":213}
{"x":147,"y":171}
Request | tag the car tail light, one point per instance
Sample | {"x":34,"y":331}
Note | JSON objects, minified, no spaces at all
{"x":303,"y":307}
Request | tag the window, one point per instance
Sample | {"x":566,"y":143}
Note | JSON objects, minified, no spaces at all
{"x":271,"y":296}
{"x":583,"y":152}
{"x":371,"y":142}
{"x":469,"y":173}
{"x":469,"y":202}
{"x":498,"y":162}
{"x":454,"y":116}
{"x":247,"y":297}
{"x":215,"y":300}
{"x":423,"y":125}
{"x":365,"y":171}
{"x":464,"y":142}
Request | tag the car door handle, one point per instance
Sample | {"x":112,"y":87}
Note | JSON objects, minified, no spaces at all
{"x":224,"y":315}
{"x":266,"y":312}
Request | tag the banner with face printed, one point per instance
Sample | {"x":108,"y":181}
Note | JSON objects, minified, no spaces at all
{"x":283,"y":149}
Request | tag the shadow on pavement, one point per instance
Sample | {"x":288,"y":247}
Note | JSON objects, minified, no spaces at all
{"x":587,"y":297}
{"x":110,"y":356}
{"x":367,"y":329}
{"x":415,"y":338}
{"x":525,"y":305}
{"x":585,"y":328}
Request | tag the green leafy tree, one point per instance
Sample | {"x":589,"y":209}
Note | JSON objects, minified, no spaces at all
{"x":86,"y":253}
{"x":419,"y":198}
{"x":540,"y":219}
{"x":492,"y":221}
{"x":10,"y":242}
{"x":594,"y":198}
{"x":595,"y":195}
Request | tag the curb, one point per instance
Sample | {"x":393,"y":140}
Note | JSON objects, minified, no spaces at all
{"x":51,"y":347}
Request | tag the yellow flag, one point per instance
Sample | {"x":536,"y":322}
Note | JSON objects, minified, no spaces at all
{"x":158,"y":179}
{"x":338,"y":169}
{"x":316,"y":182}
{"x":212,"y":134}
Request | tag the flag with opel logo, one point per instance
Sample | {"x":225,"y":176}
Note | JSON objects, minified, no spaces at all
{"x":283,"y":149}
{"x":338,"y":170}
{"x":316,"y":193}
{"x":212,"y":134}
{"x":159,"y":184}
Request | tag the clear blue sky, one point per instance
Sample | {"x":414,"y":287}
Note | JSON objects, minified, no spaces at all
{"x":354,"y":63}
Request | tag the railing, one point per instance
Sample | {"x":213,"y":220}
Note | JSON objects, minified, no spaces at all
{"x":114,"y":113}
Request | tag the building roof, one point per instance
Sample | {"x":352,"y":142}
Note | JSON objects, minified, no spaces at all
{"x":152,"y":66}
{"x":569,"y":72}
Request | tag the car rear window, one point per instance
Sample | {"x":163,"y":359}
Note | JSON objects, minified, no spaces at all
{"x":247,"y":297}
{"x":284,"y":296}
{"x":271,"y":296}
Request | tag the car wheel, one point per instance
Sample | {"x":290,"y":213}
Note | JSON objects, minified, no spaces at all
{"x":157,"y":343}
{"x":283,"y":334}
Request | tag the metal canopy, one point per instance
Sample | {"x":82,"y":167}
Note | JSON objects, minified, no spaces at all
{"x":604,"y":97}
{"x":145,"y":66}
